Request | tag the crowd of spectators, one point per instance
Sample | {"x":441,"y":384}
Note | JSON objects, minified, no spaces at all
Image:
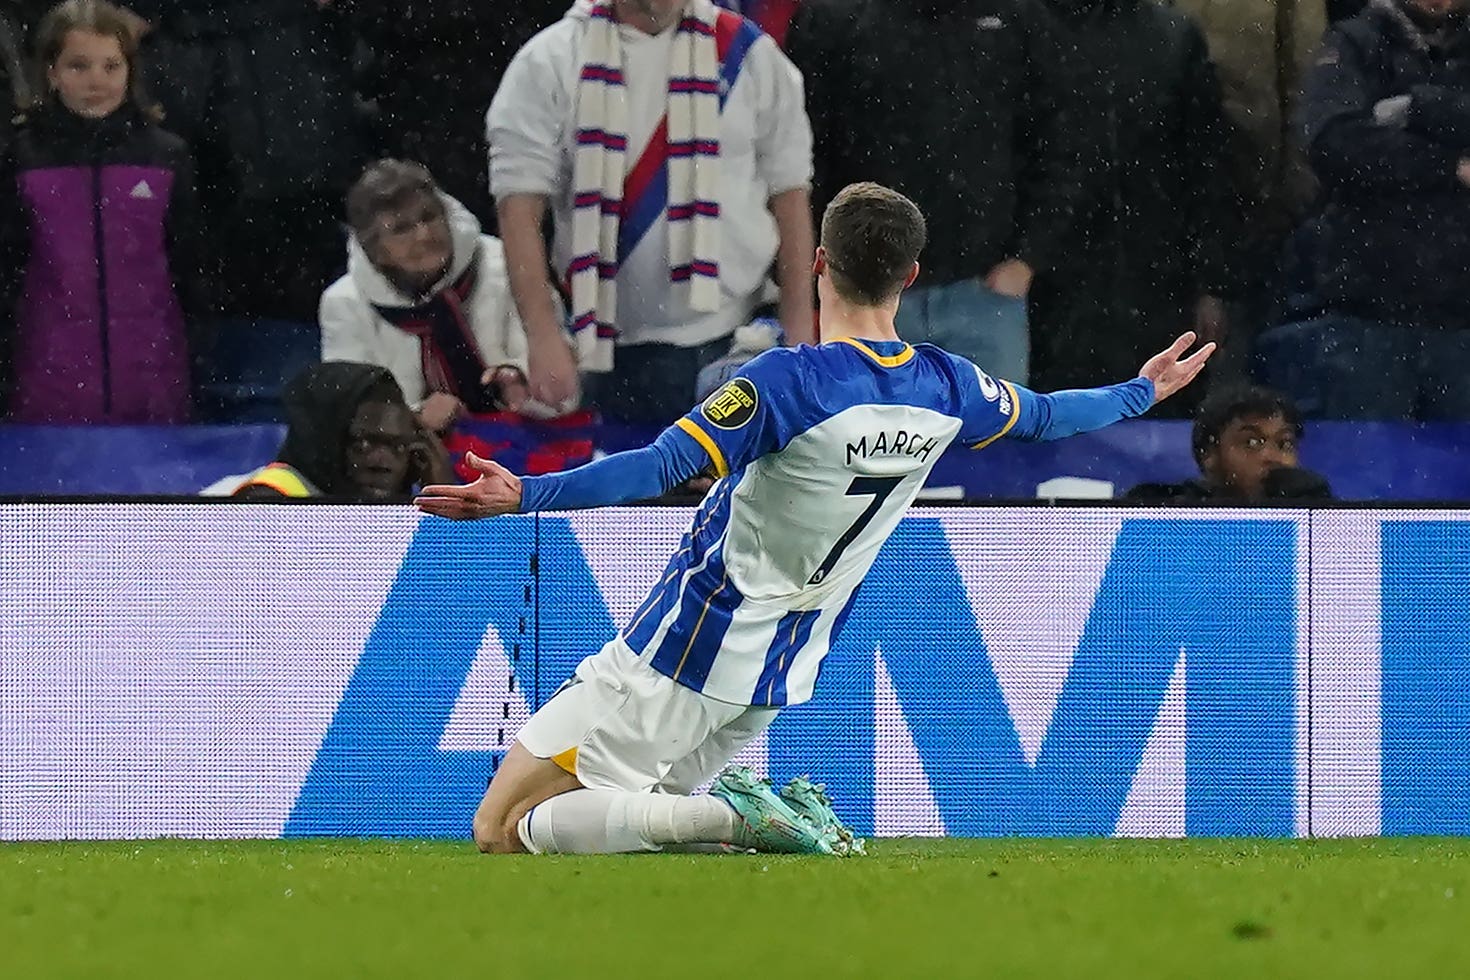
{"x":545,"y":206}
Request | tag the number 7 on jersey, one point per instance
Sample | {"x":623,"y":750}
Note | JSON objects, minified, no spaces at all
{"x":879,"y":487}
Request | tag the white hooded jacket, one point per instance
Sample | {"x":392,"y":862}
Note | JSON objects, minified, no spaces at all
{"x":352,"y":330}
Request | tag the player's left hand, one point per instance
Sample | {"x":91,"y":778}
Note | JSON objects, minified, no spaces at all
{"x":496,"y":492}
{"x":1170,"y":370}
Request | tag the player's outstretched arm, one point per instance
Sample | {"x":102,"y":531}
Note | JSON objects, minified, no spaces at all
{"x":621,"y":478}
{"x":1043,"y":418}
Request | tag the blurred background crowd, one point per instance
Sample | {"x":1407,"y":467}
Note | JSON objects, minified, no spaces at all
{"x":568,"y":215}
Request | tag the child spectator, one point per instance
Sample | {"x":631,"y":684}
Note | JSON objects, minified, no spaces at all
{"x":96,"y":214}
{"x":427,"y":296}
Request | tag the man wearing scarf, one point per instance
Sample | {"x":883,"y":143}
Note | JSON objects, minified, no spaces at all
{"x":669,"y":140}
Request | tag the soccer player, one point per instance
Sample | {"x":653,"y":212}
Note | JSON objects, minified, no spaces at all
{"x":819,"y":451}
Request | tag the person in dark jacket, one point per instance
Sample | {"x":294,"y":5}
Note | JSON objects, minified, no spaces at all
{"x":1245,"y":443}
{"x":262,"y":90}
{"x":1386,"y":122}
{"x":351,"y":435}
{"x":436,"y":66}
{"x":1146,"y":255}
{"x":964,"y":106}
{"x":97,"y":233}
{"x":14,"y":90}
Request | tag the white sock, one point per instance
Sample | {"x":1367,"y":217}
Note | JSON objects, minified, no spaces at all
{"x":592,"y":821}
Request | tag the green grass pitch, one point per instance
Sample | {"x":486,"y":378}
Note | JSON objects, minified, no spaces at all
{"x":912,"y":908}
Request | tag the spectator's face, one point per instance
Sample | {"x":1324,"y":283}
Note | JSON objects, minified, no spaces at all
{"x":1250,"y":448}
{"x":90,"y":75}
{"x":413,"y":242}
{"x":379,"y":440}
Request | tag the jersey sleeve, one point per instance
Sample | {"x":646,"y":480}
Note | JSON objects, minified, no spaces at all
{"x":744,"y":418}
{"x":995,"y":409}
{"x":989,"y":407}
{"x":621,"y":478}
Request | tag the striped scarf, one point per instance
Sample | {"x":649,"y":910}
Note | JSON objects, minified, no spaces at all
{"x":448,"y":350}
{"x":691,"y":131}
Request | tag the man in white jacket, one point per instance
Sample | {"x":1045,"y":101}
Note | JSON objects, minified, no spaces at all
{"x":669,"y":140}
{"x":427,"y":296}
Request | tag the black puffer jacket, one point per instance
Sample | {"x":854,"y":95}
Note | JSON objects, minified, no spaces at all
{"x":436,"y":67}
{"x":1150,"y":232}
{"x":269,"y":81}
{"x":963,"y":105}
{"x":1396,"y":228}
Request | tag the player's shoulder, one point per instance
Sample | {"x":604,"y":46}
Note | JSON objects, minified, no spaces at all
{"x":969,"y":383}
{"x":959,"y":372}
{"x":794,"y":384}
{"x":780,"y":365}
{"x":769,"y":377}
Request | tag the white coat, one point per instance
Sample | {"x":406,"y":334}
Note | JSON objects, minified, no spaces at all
{"x":352,"y":330}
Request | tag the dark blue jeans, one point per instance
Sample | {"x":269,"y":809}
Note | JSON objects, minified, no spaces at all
{"x":970,"y":319}
{"x":652,"y":384}
{"x":1341,"y":367}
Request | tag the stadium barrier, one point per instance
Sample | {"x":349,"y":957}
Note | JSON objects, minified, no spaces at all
{"x":255,"y":671}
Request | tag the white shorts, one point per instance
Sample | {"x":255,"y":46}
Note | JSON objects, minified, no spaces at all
{"x":621,"y":725}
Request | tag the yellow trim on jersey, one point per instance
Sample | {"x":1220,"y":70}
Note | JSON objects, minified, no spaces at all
{"x":280,"y":478}
{"x":722,"y":469}
{"x":699,"y":624}
{"x":895,"y":360}
{"x":1015,"y":414}
{"x":567,"y":760}
{"x":781,"y":662}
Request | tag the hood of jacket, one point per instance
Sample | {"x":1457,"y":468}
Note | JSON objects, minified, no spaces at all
{"x":320,"y":404}
{"x":1417,"y":30}
{"x":379,"y":290}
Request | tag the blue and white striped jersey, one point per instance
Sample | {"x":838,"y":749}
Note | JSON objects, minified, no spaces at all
{"x":819,"y":451}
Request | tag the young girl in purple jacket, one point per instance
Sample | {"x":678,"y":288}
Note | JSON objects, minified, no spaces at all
{"x":97,"y":219}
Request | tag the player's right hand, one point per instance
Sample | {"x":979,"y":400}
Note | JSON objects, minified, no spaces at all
{"x":496,"y":492}
{"x":1170,"y":370}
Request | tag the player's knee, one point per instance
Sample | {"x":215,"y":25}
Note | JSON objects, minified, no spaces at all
{"x":497,"y":834}
{"x":489,"y":833}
